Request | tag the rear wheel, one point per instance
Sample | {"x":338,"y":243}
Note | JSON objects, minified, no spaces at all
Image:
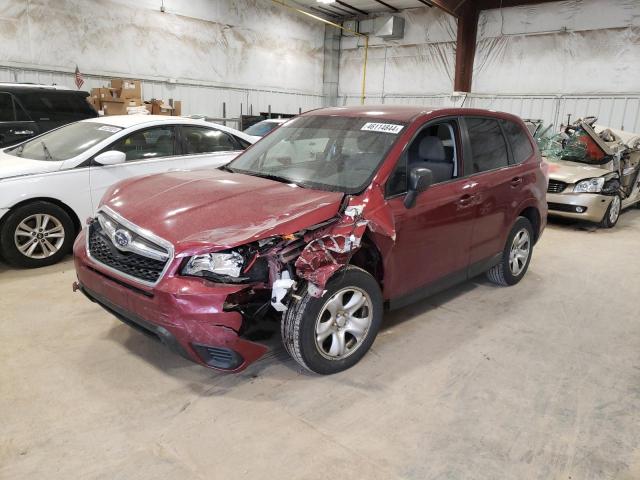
{"x":330,"y":334}
{"x":516,"y":255}
{"x":613,"y":213}
{"x":36,"y":234}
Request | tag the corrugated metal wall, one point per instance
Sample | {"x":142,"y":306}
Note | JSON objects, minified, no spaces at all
{"x":196,"y":99}
{"x":616,"y":111}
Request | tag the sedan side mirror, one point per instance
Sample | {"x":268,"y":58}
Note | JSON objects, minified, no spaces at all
{"x":419,"y":180}
{"x":112,"y":157}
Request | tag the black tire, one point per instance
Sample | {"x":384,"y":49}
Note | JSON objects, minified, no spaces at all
{"x":10,"y":251}
{"x":501,"y":274}
{"x":607,"y":221}
{"x":299,"y":322}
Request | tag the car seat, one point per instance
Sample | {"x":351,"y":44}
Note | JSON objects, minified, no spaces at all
{"x":432,"y":155}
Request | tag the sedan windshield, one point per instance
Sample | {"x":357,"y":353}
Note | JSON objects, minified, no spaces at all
{"x":260,"y":129}
{"x":324,"y":152}
{"x":64,"y":143}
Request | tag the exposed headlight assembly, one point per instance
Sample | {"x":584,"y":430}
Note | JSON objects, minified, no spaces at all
{"x":215,"y":265}
{"x":591,"y":185}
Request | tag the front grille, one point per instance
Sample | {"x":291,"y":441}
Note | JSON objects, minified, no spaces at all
{"x":102,"y":249}
{"x":556,"y":187}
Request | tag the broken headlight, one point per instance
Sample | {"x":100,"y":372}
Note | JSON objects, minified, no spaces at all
{"x":591,"y":185}
{"x":214,"y":264}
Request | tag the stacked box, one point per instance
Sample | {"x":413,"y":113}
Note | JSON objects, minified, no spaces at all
{"x":124,"y":96}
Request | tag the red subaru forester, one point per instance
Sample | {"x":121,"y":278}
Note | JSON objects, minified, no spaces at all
{"x":330,"y":219}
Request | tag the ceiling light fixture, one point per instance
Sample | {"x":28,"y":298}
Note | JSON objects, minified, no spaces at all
{"x":326,"y":2}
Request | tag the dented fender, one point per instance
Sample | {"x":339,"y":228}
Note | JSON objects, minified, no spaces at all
{"x":331,"y":248}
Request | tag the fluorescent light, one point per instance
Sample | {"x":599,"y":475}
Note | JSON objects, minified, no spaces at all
{"x":326,"y":2}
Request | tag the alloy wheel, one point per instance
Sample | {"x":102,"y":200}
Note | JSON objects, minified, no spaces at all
{"x":519,"y":253}
{"x":343,"y":323}
{"x":614,"y":210}
{"x":39,"y":236}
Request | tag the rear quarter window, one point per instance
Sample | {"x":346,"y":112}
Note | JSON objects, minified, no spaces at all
{"x":519,"y":140}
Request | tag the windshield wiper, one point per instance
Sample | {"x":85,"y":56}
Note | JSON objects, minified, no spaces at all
{"x":276,"y":178}
{"x":226,"y":168}
{"x":46,"y":151}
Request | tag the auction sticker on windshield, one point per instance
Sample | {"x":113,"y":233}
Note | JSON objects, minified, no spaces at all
{"x":382,"y":127}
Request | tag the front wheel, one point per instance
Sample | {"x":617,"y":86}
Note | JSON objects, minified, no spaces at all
{"x":36,"y":234}
{"x":613,"y":213}
{"x":330,"y":334}
{"x":516,"y":255}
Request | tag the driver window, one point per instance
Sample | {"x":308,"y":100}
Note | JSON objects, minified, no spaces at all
{"x":146,"y":144}
{"x":434,"y":148}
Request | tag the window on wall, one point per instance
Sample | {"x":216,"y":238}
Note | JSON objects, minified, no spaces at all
{"x":488,"y":146}
{"x":148,"y":144}
{"x":520,"y":145}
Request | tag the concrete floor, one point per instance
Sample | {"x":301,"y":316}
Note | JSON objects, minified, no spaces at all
{"x":537,"y":381}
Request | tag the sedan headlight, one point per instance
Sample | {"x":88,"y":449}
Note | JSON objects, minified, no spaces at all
{"x":224,"y":264}
{"x":591,"y":185}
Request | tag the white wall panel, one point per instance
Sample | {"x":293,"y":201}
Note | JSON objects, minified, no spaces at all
{"x":213,"y":50}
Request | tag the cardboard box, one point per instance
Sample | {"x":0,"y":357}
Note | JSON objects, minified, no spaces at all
{"x":102,"y":93}
{"x":177,"y":107}
{"x":127,"y":88}
{"x":158,"y":107}
{"x":115,"y":106}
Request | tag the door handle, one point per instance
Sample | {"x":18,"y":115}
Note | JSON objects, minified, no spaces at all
{"x":515,"y":181}
{"x":21,"y":132}
{"x":466,"y":200}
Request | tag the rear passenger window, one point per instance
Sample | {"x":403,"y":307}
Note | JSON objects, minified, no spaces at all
{"x":488,"y":147}
{"x":207,"y":140}
{"x":520,"y":145}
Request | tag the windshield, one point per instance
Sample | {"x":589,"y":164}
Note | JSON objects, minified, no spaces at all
{"x":260,"y":129}
{"x":64,"y":143}
{"x":324,"y":152}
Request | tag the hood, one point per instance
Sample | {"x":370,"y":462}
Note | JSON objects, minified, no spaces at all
{"x":12,"y":166}
{"x":216,"y":209}
{"x":573,"y":172}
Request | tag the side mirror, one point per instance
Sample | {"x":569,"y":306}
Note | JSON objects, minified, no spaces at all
{"x":112,"y":157}
{"x":419,"y":180}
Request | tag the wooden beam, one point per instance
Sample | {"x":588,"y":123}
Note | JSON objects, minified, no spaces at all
{"x":392,"y":8}
{"x":465,"y":49}
{"x":344,"y":4}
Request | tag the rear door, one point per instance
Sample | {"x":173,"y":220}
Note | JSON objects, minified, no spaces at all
{"x":207,"y":146}
{"x":499,"y":180}
{"x":149,"y":150}
{"x":15,"y":124}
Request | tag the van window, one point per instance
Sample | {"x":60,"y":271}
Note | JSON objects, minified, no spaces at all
{"x":520,"y":145}
{"x":488,"y":146}
{"x":55,"y":105}
{"x":6,"y":108}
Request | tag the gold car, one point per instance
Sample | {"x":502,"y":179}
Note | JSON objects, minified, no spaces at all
{"x":594,"y":173}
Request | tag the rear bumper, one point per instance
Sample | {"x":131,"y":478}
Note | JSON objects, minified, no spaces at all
{"x":185,"y":314}
{"x":566,"y":205}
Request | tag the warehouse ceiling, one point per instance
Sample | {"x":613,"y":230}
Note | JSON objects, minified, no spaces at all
{"x":341,"y":9}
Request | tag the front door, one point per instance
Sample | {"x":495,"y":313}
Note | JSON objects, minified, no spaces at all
{"x":433,"y":237}
{"x":150,"y":150}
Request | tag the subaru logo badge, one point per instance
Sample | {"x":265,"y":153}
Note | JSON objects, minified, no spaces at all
{"x":121,"y":238}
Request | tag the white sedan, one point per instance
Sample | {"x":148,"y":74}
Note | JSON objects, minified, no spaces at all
{"x":51,"y":183}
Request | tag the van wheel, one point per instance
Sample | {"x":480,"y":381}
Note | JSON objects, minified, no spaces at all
{"x":330,"y":334}
{"x":516,"y":255}
{"x":36,"y":235}
{"x":613,"y":213}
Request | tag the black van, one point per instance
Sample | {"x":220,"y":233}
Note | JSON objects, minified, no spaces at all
{"x":28,"y":109}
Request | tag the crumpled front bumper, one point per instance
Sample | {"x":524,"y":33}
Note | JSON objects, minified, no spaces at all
{"x":564,"y":205}
{"x":185,"y":314}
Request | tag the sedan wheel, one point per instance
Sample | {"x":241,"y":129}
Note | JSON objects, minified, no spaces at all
{"x":39,"y":236}
{"x":613,"y":213}
{"x":36,"y":234}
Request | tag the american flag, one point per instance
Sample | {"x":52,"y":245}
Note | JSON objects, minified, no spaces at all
{"x":79,"y":79}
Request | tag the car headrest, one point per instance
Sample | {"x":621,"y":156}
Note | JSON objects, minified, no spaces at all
{"x":432,"y":150}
